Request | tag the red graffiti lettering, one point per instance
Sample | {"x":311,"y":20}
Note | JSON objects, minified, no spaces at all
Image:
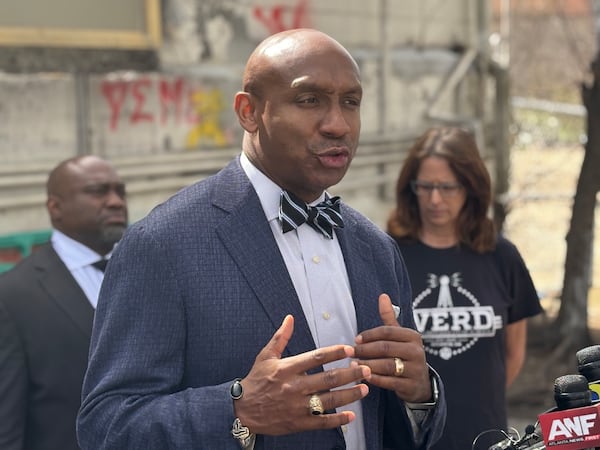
{"x":115,"y":96}
{"x":135,"y":102}
{"x":274,"y":22}
{"x":171,"y":93}
{"x":139,"y":94}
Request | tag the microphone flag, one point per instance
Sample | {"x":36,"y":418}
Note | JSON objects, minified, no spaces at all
{"x":571,"y":429}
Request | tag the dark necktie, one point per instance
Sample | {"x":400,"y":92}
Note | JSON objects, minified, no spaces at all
{"x":100,"y":264}
{"x":323,"y":217}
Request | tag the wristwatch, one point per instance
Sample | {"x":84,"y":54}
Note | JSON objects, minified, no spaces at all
{"x":239,"y":431}
{"x":435,"y":395}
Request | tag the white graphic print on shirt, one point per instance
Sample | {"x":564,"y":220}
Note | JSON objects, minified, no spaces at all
{"x":457,"y":321}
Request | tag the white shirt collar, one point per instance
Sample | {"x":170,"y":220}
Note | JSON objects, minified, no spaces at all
{"x":73,"y":253}
{"x":268,"y":192}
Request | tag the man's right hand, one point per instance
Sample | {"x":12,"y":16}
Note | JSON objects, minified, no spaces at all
{"x":277,"y":390}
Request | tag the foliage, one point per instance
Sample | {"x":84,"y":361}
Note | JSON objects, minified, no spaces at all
{"x":547,"y":129}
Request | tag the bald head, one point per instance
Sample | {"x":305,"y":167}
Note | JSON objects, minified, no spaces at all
{"x":60,"y":178}
{"x":86,"y":201}
{"x":279,"y":54}
{"x":300,"y":110}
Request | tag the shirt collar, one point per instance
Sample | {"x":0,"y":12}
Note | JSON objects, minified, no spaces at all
{"x":268,"y":192}
{"x":73,"y":253}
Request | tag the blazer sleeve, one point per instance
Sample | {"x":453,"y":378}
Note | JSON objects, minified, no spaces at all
{"x":13,"y":384}
{"x":132,"y":395}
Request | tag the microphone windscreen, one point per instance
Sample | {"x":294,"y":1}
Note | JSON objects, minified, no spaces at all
{"x":572,"y":391}
{"x":588,"y":362}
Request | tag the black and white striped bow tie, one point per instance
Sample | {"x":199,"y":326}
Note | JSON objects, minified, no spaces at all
{"x":323,"y":217}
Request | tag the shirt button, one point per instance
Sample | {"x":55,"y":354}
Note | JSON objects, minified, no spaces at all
{"x":316,"y":259}
{"x":326,"y":315}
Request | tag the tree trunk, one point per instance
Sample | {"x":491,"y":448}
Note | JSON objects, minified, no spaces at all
{"x":571,"y":323}
{"x":502,"y":119}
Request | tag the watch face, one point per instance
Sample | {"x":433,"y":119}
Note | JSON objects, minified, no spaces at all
{"x":236,"y":390}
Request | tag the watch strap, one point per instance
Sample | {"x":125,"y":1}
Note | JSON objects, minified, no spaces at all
{"x":242,"y":434}
{"x":435,"y":392}
{"x":239,"y":431}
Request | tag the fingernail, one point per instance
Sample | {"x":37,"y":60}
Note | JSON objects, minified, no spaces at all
{"x":350,"y":415}
{"x":366,"y":372}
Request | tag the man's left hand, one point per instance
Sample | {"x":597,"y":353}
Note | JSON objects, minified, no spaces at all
{"x":379,"y":348}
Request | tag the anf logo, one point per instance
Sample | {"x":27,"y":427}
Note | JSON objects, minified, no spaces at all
{"x":570,"y":427}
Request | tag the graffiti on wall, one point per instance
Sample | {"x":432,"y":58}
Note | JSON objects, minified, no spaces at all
{"x":274,"y":20}
{"x":166,"y":102}
{"x":208,"y":106}
{"x":228,"y":28}
{"x":191,"y":112}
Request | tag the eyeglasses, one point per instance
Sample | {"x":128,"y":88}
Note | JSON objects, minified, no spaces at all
{"x":425,"y":188}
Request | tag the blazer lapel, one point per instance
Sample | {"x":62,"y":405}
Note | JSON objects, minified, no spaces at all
{"x":361,"y":269}
{"x":249,"y":239}
{"x":62,"y":288}
{"x":247,"y":236}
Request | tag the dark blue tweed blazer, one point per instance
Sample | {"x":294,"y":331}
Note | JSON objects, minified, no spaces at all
{"x":193,"y":292}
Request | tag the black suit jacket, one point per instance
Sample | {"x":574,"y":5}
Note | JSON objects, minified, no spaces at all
{"x":45,"y":328}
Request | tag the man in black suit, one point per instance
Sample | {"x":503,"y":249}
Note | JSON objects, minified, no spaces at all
{"x":47,"y":305}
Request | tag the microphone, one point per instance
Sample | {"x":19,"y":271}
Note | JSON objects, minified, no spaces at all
{"x":575,"y":425}
{"x":588,"y":365}
{"x":571,"y":391}
{"x":531,"y":440}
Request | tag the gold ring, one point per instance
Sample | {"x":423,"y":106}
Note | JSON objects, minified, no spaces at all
{"x":315,"y":405}
{"x":399,"y":367}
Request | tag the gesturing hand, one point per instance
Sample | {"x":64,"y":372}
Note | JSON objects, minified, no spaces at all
{"x":277,"y":390}
{"x":395,"y":355}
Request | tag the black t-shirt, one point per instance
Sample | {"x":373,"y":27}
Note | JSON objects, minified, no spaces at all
{"x":462,"y":303}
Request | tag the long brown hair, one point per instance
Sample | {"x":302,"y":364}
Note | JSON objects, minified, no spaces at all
{"x":457,"y":146}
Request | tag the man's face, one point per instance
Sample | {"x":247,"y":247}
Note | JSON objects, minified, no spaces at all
{"x":308,"y":122}
{"x":91,"y":206}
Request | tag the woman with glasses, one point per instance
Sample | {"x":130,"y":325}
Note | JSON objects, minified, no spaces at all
{"x":472,"y":292}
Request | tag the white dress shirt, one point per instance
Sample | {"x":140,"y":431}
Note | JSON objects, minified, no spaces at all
{"x":79,"y":259}
{"x":317,"y":269}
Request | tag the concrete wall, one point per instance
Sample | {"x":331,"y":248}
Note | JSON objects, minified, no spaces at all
{"x":406,"y":50}
{"x":37,"y":117}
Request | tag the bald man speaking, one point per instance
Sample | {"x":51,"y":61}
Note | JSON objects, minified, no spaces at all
{"x":253,"y":310}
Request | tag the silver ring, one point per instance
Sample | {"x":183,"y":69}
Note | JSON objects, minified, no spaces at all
{"x":399,"y":367}
{"x":315,"y":405}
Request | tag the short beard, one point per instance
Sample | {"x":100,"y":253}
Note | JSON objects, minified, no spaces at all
{"x":112,"y":234}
